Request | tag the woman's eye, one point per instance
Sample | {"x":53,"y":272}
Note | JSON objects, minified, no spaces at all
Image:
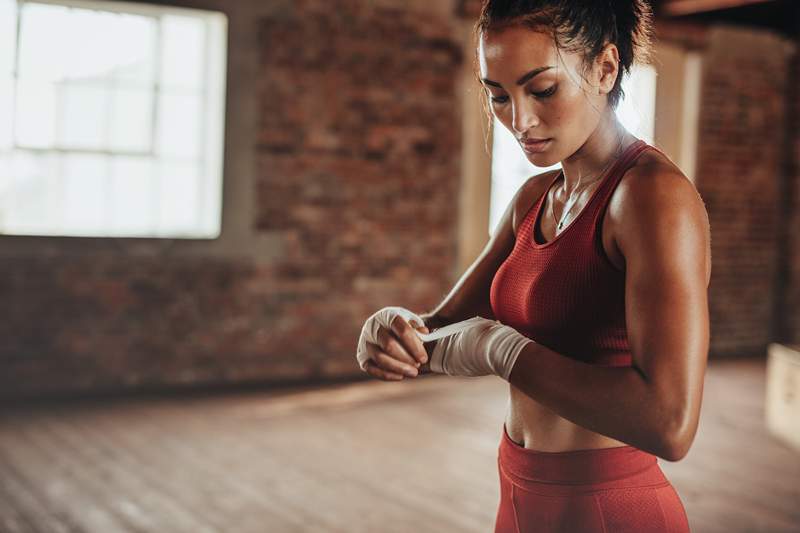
{"x":545,"y":94}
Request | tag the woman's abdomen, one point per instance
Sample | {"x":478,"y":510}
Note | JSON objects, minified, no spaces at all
{"x":535,"y":426}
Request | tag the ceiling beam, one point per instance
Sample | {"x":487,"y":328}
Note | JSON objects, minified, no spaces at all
{"x":675,"y":8}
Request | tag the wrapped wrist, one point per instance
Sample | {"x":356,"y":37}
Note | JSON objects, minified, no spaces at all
{"x":504,"y":346}
{"x":483,"y":347}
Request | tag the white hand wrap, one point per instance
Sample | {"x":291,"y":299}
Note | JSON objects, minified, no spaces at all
{"x":369,"y":333}
{"x":476,"y":347}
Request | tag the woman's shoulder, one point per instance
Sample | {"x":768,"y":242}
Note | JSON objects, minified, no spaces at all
{"x":653,"y":177}
{"x":655,"y":199}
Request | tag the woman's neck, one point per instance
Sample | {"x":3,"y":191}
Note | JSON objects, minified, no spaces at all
{"x":607,"y":141}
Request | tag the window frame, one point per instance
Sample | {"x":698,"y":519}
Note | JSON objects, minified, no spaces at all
{"x":213,"y":101}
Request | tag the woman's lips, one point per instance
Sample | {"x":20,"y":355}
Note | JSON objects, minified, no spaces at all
{"x":534,"y":147}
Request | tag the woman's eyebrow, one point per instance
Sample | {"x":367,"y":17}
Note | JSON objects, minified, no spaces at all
{"x":524,"y":79}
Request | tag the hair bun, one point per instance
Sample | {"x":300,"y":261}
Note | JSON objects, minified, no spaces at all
{"x":634,"y":18}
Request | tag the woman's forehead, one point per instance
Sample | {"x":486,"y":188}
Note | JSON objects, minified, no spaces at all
{"x":515,"y":50}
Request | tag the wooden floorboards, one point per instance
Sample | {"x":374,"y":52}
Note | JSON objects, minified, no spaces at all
{"x":415,"y":456}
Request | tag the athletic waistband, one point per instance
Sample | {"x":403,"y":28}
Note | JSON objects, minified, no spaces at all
{"x":620,"y":467}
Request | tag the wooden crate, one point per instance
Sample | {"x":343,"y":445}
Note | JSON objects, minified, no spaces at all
{"x":783,"y":393}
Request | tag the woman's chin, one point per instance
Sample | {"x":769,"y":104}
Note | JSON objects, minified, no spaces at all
{"x":540,"y":160}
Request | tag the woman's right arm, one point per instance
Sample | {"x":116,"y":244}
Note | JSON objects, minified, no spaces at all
{"x":392,"y":357}
{"x":470,"y":295}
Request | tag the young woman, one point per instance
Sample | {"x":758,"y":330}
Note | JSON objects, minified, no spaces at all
{"x":591,"y":294}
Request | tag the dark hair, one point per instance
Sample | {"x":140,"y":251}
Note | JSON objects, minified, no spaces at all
{"x":581,"y":26}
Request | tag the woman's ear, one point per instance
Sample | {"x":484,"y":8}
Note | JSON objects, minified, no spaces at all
{"x":608,"y":64}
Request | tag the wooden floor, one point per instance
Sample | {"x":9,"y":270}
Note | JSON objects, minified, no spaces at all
{"x":415,"y":456}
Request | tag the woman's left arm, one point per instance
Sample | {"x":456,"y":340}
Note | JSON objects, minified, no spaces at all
{"x":664,"y":235}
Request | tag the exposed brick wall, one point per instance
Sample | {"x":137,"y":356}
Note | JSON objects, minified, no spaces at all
{"x":341,"y":179}
{"x":740,"y":159}
{"x":359,"y":164}
{"x":95,"y":323}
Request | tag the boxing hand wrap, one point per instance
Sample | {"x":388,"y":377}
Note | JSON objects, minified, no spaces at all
{"x":476,"y":347}
{"x":369,"y":332}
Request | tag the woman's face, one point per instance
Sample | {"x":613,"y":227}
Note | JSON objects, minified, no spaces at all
{"x":537,"y":92}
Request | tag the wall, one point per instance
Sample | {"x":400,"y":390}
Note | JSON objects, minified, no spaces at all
{"x":342,"y":165}
{"x":741,"y":155}
{"x":343,"y":193}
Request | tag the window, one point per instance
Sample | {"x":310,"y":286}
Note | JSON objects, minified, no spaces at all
{"x":111,"y":119}
{"x":510,"y":167}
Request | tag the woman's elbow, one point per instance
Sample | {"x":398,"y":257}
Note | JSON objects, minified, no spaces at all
{"x":675,"y":451}
{"x":676,"y":442}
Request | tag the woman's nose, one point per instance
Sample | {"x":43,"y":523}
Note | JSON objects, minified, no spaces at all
{"x":523,"y":118}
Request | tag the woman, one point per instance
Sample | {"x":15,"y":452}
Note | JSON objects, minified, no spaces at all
{"x":592,"y":291}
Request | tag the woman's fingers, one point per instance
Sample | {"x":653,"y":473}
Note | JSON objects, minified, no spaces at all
{"x":409,"y":339}
{"x":391,"y":359}
{"x":392,"y":346}
{"x":376,"y":372}
{"x":389,"y":362}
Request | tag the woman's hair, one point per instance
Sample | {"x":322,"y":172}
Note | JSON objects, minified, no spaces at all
{"x":584,"y":26}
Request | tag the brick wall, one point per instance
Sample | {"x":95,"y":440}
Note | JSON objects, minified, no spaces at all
{"x":340,"y":197}
{"x":359,"y":145}
{"x":741,"y":156}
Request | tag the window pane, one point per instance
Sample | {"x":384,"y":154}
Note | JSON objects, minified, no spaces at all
{"x":178,"y":206}
{"x":82,"y":32}
{"x":134,"y":49}
{"x":132,"y":120}
{"x":84,"y":115}
{"x":6,"y":201}
{"x":84,"y":184}
{"x":36,"y":109}
{"x":8,"y":37}
{"x":32,"y":193}
{"x":179,"y":125}
{"x":59,"y":43}
{"x":182,"y":52}
{"x":6,"y":113}
{"x":133,"y":196}
{"x":43,"y":52}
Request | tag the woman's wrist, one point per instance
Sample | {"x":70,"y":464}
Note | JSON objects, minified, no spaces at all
{"x":483,"y":347}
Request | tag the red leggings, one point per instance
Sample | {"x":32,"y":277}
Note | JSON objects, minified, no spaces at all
{"x":608,"y":490}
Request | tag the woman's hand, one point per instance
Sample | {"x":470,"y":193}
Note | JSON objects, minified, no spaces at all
{"x":389,"y":347}
{"x":482,"y":347}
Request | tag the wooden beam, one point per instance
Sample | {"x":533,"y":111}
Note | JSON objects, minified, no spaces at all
{"x":675,"y":8}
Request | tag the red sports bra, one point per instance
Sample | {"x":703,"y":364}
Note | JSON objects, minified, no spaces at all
{"x":565,"y":293}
